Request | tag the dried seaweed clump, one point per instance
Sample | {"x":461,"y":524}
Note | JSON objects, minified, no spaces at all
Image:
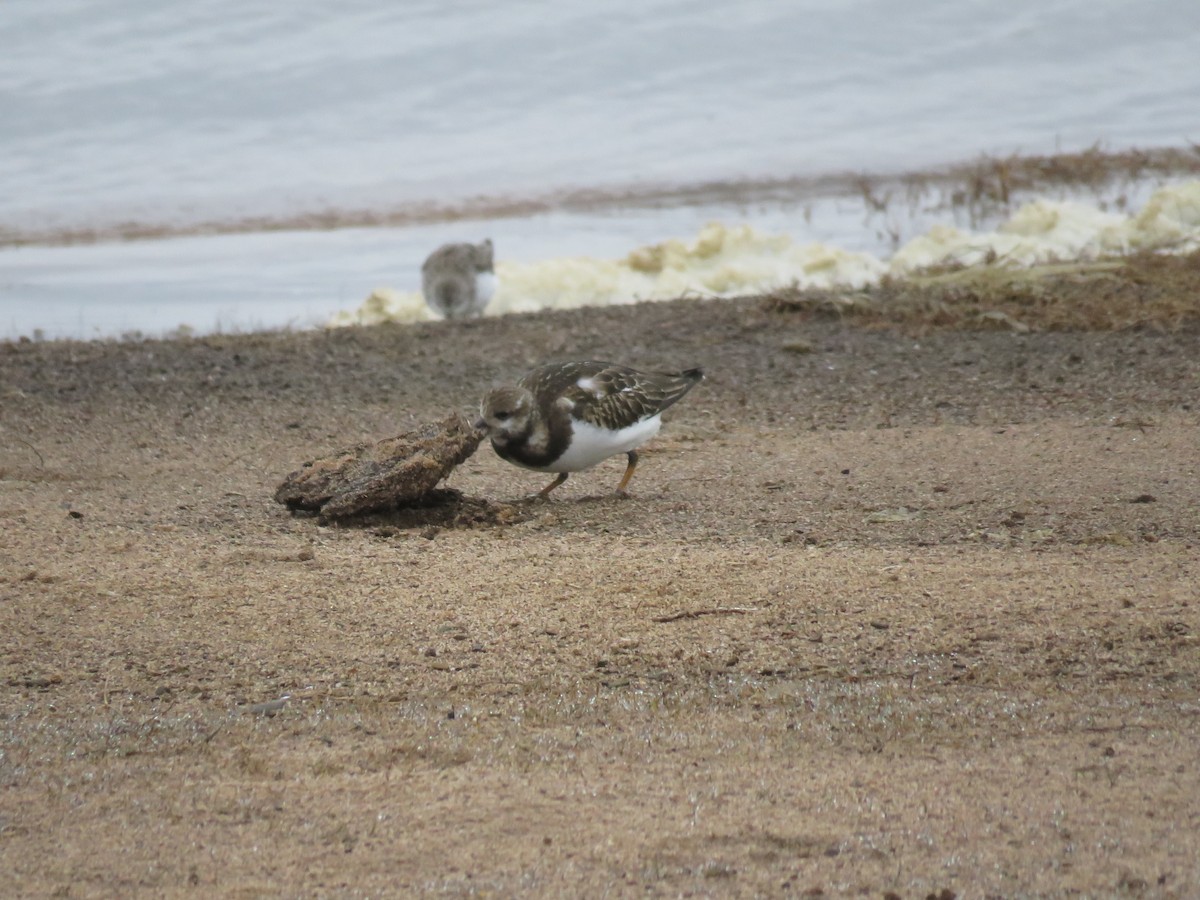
{"x":373,"y":477}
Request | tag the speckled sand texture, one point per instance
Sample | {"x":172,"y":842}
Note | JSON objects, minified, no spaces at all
{"x":890,"y":609}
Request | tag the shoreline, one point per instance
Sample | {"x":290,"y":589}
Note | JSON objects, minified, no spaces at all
{"x":1145,"y":289}
{"x":300,"y":279}
{"x":984,"y":186}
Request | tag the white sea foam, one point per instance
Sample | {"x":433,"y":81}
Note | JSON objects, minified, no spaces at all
{"x":1044,"y":230}
{"x":722,"y":261}
{"x":725,"y":261}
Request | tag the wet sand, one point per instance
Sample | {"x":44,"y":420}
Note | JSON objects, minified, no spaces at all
{"x":893,"y":608}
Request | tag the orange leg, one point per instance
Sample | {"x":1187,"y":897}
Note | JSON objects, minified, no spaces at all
{"x":633,"y":458}
{"x":545,"y":492}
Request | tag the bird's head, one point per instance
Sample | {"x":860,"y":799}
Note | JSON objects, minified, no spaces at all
{"x":505,"y":413}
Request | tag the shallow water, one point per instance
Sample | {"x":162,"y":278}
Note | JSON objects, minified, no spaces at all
{"x":131,"y":114}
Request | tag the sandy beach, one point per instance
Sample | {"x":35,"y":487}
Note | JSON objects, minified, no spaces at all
{"x":903,"y":604}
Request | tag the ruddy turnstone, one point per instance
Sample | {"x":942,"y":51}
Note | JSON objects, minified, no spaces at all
{"x":567,"y":417}
{"x":458,"y":280}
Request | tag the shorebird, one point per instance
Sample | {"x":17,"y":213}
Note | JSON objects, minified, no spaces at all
{"x":567,"y":417}
{"x":458,"y":280}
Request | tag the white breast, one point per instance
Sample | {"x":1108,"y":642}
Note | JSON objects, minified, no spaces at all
{"x":591,"y":445}
{"x":485,"y":288}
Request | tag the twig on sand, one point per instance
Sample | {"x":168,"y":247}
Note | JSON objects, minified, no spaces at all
{"x":41,"y":461}
{"x":713,"y":611}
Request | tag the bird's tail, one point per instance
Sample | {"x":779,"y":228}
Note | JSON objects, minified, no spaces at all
{"x":674,"y":385}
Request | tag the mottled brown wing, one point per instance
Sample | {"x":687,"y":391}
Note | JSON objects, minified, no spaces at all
{"x":610,"y":395}
{"x":450,"y":258}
